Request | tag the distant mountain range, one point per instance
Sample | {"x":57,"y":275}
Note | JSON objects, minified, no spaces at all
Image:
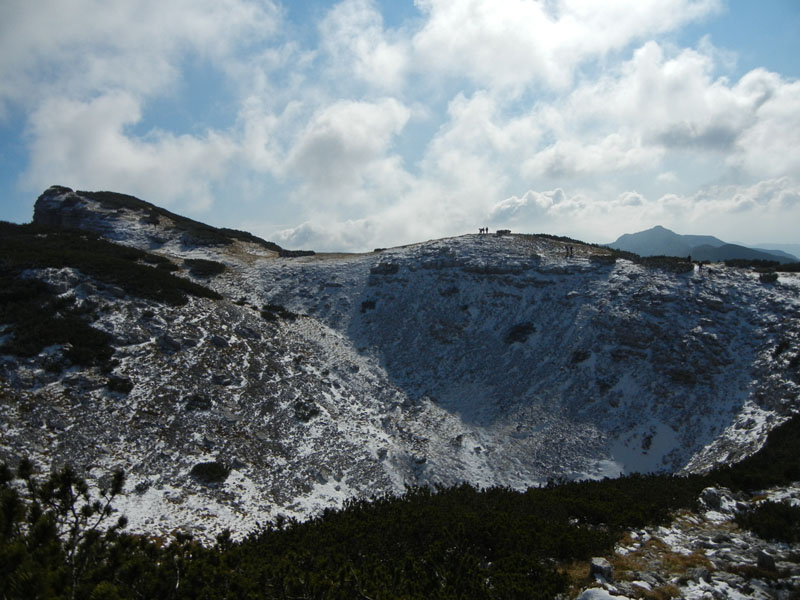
{"x":792,"y":249}
{"x":661,"y":241}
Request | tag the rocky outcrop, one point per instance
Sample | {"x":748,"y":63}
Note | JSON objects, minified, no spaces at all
{"x":60,"y":206}
{"x":702,"y":554}
{"x":600,"y":567}
{"x":129,"y":220}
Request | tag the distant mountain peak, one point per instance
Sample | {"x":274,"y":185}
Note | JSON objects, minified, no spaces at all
{"x":659,"y":240}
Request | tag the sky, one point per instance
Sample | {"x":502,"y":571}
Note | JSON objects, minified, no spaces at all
{"x":351,"y":125}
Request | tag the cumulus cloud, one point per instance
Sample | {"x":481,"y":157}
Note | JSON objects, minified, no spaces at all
{"x":84,"y":144}
{"x":83,"y":72}
{"x":666,"y":178}
{"x":327,"y":236}
{"x":357,"y":45}
{"x":629,"y":128}
{"x":82,"y":47}
{"x":570,"y":157}
{"x":479,"y":129}
{"x":516,"y":43}
{"x":769,"y":145}
{"x":531,"y":204}
{"x":657,"y":105}
{"x":345,"y":145}
{"x":763,"y":210}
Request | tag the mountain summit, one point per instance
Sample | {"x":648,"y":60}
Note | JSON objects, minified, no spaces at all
{"x":235,"y":381}
{"x":660,"y":241}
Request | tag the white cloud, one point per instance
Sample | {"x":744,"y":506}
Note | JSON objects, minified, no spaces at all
{"x":570,"y":157}
{"x":346,"y":145}
{"x":767,"y":209}
{"x":769,"y":145}
{"x":479,"y":129}
{"x":358,"y":46}
{"x":655,"y":106}
{"x":532,"y":204}
{"x":83,"y":144}
{"x":666,"y":178}
{"x":83,"y":47}
{"x":326,"y":236}
{"x":627,"y":128}
{"x":513,"y":43}
{"x":425,"y":211}
{"x":84,"y":70}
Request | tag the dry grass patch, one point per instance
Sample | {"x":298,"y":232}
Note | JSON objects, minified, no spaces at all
{"x":662,"y":592}
{"x":656,"y":555}
{"x":679,"y":564}
{"x":578,"y":574}
{"x":756,"y":572}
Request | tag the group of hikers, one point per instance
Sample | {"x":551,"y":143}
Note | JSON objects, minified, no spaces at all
{"x":484,"y":230}
{"x":569,"y":251}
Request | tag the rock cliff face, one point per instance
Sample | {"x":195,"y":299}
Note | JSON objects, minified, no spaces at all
{"x":61,"y":207}
{"x":493,"y":360}
{"x":129,"y":220}
{"x":119,"y":218}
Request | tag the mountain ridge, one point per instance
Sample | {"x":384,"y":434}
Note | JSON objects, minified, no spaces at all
{"x":496,"y":360}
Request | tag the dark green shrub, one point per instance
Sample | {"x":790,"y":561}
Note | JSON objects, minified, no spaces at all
{"x":457,"y":542}
{"x":448,"y":291}
{"x":273,"y":312}
{"x":519,"y":333}
{"x":305,"y":410}
{"x":385,"y":268}
{"x":34,"y":247}
{"x":776,"y":463}
{"x":673,"y":264}
{"x":198,"y":402}
{"x":122,"y":385}
{"x":51,"y":541}
{"x":603,"y":259}
{"x":160,"y":262}
{"x":38,"y":318}
{"x":201,"y":267}
{"x":756,"y":263}
{"x":770,"y":277}
{"x":793,"y":267}
{"x":778,"y":521}
{"x":210,"y":473}
{"x":579,"y":356}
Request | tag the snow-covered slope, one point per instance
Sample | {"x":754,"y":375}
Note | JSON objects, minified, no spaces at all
{"x":497,"y":360}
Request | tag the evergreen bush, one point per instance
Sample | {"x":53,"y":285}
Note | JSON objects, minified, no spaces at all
{"x":203,"y":268}
{"x":210,"y":473}
{"x":777,"y":521}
